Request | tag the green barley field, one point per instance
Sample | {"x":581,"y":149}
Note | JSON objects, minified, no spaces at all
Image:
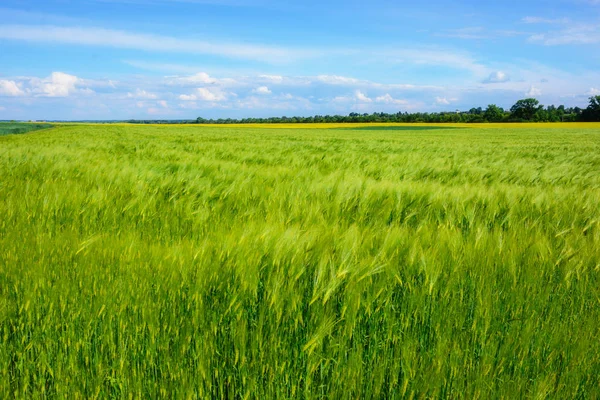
{"x":9,"y":128}
{"x":184,"y":262}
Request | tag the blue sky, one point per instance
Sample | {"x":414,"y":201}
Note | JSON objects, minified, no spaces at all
{"x":120,"y":59}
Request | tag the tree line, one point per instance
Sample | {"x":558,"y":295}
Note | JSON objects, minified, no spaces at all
{"x":525,"y":110}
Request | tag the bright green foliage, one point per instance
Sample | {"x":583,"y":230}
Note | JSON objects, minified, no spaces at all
{"x":198,"y":262}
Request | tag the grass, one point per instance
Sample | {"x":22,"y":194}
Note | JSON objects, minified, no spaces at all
{"x":7,"y":128}
{"x":228,"y":262}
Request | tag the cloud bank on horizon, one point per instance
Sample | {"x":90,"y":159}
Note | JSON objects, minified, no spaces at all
{"x":121,"y":59}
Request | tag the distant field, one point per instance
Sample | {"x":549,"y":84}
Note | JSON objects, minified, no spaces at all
{"x":17,"y":127}
{"x":300,"y":262}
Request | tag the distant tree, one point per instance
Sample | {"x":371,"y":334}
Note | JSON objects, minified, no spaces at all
{"x":592,"y":112}
{"x":541,"y":115}
{"x":493,"y":113}
{"x":525,"y":109}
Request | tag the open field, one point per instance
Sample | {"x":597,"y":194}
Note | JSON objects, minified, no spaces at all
{"x":300,"y":262}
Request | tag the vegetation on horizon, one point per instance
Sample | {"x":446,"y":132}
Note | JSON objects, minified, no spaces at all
{"x":161,"y":262}
{"x":525,"y":110}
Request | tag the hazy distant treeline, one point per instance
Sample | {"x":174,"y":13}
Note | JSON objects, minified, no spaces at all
{"x":525,"y":110}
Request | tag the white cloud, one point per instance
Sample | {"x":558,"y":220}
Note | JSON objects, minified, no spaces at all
{"x":58,"y":84}
{"x":593,"y":92}
{"x":205,"y":94}
{"x":361,"y":97}
{"x":388,"y":99}
{"x":147,"y":42}
{"x":276,"y":79}
{"x":210,"y":94}
{"x":10,"y":88}
{"x":306,"y":94}
{"x":142,"y":94}
{"x":358,"y":97}
{"x":533,"y":92}
{"x":336,"y":80}
{"x":497,"y":77}
{"x":262,"y":90}
{"x":196,"y":79}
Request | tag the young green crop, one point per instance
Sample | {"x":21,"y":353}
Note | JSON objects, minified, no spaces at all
{"x":229,"y":262}
{"x":10,"y":128}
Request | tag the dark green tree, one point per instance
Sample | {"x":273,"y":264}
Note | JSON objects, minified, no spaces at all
{"x":592,"y":112}
{"x":493,"y":113}
{"x":525,"y":109}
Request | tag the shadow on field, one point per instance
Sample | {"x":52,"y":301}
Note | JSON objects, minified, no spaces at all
{"x":11,"y":128}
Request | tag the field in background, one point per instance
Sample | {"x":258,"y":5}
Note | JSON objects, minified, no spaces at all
{"x":7,"y":128}
{"x":509,"y":126}
{"x":225,"y":262}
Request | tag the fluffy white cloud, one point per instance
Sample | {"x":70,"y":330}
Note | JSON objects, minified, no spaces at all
{"x":205,"y":94}
{"x":497,"y":77}
{"x":58,"y":84}
{"x":388,"y":99}
{"x":361,"y":97}
{"x":358,"y":97}
{"x":142,"y":94}
{"x":201,"y":78}
{"x":533,"y":92}
{"x":324,"y":94}
{"x":262,"y":90}
{"x":10,"y":88}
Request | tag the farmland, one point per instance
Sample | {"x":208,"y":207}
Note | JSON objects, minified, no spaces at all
{"x":300,"y":261}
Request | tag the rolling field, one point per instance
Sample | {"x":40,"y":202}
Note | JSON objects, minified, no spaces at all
{"x":300,"y":262}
